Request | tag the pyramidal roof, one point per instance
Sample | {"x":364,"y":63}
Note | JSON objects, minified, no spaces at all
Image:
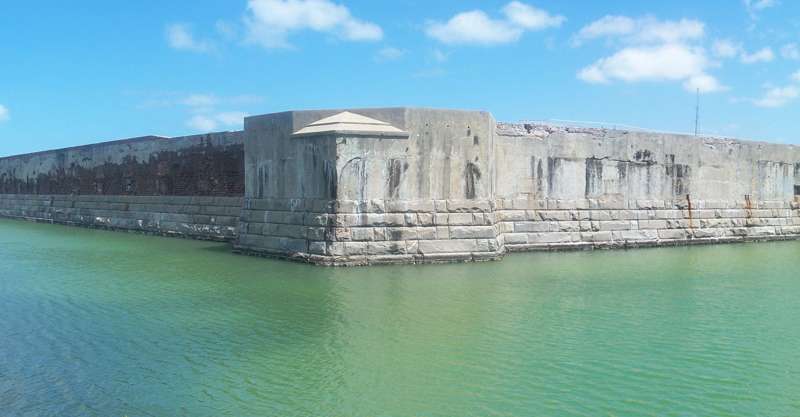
{"x":353,"y":124}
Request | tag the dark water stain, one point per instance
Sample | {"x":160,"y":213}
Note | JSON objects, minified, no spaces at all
{"x":622,"y":171}
{"x":678,"y":176}
{"x":472,"y":175}
{"x":594,"y":177}
{"x":356,"y":168}
{"x":331,"y":179}
{"x":644,"y":156}
{"x":552,"y":167}
{"x":396,"y":168}
{"x":537,"y":174}
{"x":539,"y":178}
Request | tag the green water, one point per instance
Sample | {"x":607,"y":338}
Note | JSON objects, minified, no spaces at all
{"x":110,"y":324}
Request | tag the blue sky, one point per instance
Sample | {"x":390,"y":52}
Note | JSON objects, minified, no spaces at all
{"x":89,"y":71}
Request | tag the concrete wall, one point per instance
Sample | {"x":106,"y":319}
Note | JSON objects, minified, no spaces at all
{"x":458,"y":187}
{"x":352,"y":200}
{"x":190,"y":186}
{"x":462,"y":187}
{"x":566,"y":188}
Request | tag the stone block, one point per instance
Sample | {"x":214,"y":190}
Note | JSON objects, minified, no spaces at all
{"x":488,"y":245}
{"x":600,"y":215}
{"x":531,"y":227}
{"x":652,"y":224}
{"x":394,"y":219}
{"x":425,"y":219}
{"x":468,"y":206}
{"x":426,"y":233}
{"x":511,"y":215}
{"x":613,"y":226}
{"x":555,"y":237}
{"x":525,"y":204}
{"x":447,"y":246}
{"x":472,"y":232}
{"x":412,"y":247}
{"x":569,"y":226}
{"x":761,"y":232}
{"x":318,"y":248}
{"x":516,"y":238}
{"x":610,"y":202}
{"x":460,"y":219}
{"x":441,"y":219}
{"x":707,"y":233}
{"x":362,"y":234}
{"x":356,"y":248}
{"x":596,"y":237}
{"x":635,"y":235}
{"x":316,"y":233}
{"x":401,"y":233}
{"x":554,"y":215}
{"x":386,"y":248}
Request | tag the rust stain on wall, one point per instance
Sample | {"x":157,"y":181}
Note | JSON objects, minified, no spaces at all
{"x":203,"y":169}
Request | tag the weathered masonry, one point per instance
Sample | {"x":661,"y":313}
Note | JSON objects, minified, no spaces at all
{"x":406,"y":185}
{"x":190,"y":186}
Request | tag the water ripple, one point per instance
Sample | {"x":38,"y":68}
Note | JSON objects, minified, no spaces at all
{"x":103,"y":324}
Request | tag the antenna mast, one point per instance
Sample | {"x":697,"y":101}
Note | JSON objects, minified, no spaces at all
{"x":697,"y":113}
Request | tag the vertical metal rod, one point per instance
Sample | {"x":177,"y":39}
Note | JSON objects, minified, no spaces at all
{"x":697,"y":113}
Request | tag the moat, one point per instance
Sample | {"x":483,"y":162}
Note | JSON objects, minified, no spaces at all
{"x":96,"y":323}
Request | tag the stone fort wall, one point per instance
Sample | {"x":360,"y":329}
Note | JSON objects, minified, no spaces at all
{"x":189,"y":186}
{"x":452,"y":186}
{"x":566,"y":188}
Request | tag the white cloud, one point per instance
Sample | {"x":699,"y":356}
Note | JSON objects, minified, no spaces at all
{"x":760,"y":4}
{"x":778,"y":96}
{"x":725,"y":48}
{"x":790,"y":51}
{"x":531,"y":18}
{"x":227,"y":30}
{"x":389,"y":54}
{"x":763,"y":55}
{"x":668,"y":62}
{"x":439,"y":56}
{"x":232,"y":118}
{"x":607,"y":26}
{"x":270,"y":22}
{"x":199,"y":100}
{"x":704,"y":83}
{"x":477,"y":28}
{"x":205,"y":116}
{"x":652,"y":50}
{"x":5,"y":115}
{"x":641,"y":30}
{"x":474,"y":27}
{"x":211,"y":122}
{"x":202,"y":123}
{"x":179,"y":36}
{"x":754,"y":6}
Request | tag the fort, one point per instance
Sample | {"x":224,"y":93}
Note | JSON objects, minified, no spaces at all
{"x":411,"y":185}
